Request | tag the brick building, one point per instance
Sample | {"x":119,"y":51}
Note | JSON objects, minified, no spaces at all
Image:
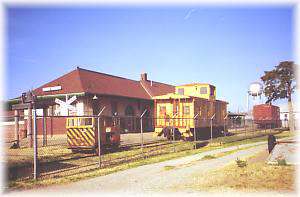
{"x":93,"y":91}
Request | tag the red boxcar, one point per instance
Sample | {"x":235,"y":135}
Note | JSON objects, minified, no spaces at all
{"x":266,"y":115}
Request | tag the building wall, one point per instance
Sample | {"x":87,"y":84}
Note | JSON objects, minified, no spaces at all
{"x":121,"y":106}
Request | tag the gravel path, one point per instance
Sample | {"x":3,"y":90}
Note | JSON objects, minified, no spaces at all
{"x":158,"y":177}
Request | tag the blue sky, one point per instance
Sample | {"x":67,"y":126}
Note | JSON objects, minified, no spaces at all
{"x":229,"y":47}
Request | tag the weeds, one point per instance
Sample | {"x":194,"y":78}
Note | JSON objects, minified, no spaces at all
{"x":241,"y":163}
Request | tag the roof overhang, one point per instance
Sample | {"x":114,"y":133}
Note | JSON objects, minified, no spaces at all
{"x":171,"y":96}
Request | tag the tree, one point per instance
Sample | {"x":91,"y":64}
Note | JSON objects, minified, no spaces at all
{"x":280,"y":83}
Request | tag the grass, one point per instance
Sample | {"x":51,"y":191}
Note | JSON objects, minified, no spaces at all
{"x":206,"y":157}
{"x":182,"y":148}
{"x":169,"y":167}
{"x":255,"y":176}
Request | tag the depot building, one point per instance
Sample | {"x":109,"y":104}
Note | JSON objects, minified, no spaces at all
{"x":85,"y":92}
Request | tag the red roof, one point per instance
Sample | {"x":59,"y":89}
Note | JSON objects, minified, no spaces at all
{"x":87,"y":81}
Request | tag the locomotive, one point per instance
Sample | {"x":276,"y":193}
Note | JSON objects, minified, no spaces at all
{"x":82,"y":133}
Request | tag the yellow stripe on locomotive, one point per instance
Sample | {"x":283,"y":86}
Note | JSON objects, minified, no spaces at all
{"x":81,"y":132}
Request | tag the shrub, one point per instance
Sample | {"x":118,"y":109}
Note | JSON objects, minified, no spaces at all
{"x":240,"y":163}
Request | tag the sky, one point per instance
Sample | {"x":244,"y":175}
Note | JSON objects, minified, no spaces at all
{"x":229,"y":47}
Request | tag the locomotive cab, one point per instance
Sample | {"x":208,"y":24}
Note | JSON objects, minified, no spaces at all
{"x":82,"y":133}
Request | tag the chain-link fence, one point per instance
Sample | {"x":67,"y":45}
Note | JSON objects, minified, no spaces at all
{"x":68,"y":145}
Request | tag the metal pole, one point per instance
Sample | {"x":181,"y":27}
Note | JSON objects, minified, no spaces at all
{"x":35,"y":148}
{"x":245,"y":126}
{"x":173,"y":130}
{"x":29,"y":126}
{"x":17,"y":128}
{"x":142,"y":135}
{"x":211,"y":130}
{"x":225,"y":118}
{"x":99,"y":136}
{"x":99,"y":141}
{"x":195,"y":133}
{"x":44,"y":129}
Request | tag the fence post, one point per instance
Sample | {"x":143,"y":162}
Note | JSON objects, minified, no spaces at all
{"x":99,"y":136}
{"x":225,"y":121}
{"x":17,"y":128}
{"x":245,"y":126}
{"x":211,"y":130}
{"x":142,"y":135}
{"x":142,"y":139}
{"x":173,"y":130}
{"x":99,"y":141}
{"x":35,"y":148}
{"x":29,"y":126}
{"x":195,"y":133}
{"x":44,"y":128}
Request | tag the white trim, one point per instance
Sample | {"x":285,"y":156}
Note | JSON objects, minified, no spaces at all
{"x":10,"y":123}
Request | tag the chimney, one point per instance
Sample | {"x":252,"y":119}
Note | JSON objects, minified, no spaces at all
{"x":144,"y":77}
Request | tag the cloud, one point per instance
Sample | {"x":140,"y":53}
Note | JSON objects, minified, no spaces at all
{"x":189,"y":13}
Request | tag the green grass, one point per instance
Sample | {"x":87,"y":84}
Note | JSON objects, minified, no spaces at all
{"x":254,"y":177}
{"x":181,"y":148}
{"x":206,"y":157}
{"x":169,"y":167}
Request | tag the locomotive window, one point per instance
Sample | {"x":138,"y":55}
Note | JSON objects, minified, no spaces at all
{"x":181,"y":91}
{"x":88,"y":121}
{"x":71,"y":122}
{"x":203,"y":90}
{"x":186,"y":110}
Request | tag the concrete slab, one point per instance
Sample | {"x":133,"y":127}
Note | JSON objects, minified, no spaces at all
{"x":285,"y":151}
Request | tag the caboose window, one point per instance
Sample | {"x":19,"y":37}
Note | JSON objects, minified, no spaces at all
{"x":181,"y":91}
{"x":162,"y":110}
{"x":186,"y":110}
{"x":203,"y":90}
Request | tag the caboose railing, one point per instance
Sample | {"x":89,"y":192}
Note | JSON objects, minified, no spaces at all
{"x":180,"y":122}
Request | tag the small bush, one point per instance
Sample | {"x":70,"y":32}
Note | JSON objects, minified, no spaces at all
{"x":281,"y":162}
{"x":169,"y":167}
{"x":208,"y":157}
{"x":240,"y":163}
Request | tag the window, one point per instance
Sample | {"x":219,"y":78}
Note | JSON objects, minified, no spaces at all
{"x":203,"y":90}
{"x":186,"y":110}
{"x":129,"y":111}
{"x":162,"y":110}
{"x":181,"y":91}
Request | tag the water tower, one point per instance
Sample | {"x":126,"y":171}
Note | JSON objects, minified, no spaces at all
{"x":255,"y":91}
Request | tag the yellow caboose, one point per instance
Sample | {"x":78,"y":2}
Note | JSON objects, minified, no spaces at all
{"x":193,"y":107}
